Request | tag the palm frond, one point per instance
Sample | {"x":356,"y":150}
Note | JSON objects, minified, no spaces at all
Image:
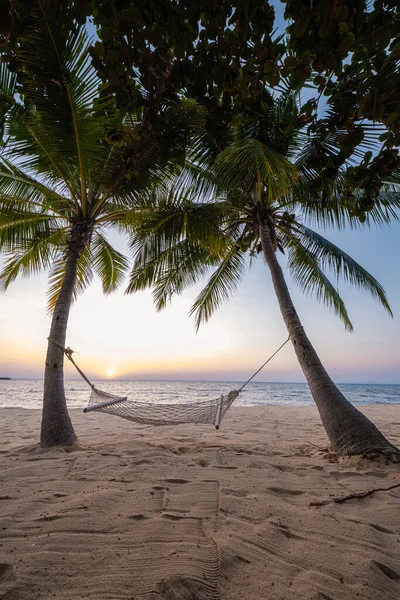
{"x":329,"y":256}
{"x":386,"y":207}
{"x":183,"y":122}
{"x":199,"y":177}
{"x":58,"y":134}
{"x":150,"y":157}
{"x":308,"y":275}
{"x":109,"y":264}
{"x":327,"y":142}
{"x":337,"y":210}
{"x":31,"y":257}
{"x":175,"y":216}
{"x":39,"y":153}
{"x":8,"y":83}
{"x":250,"y":163}
{"x":18,"y":187}
{"x":169,"y":271}
{"x":57,"y":274}
{"x":19,"y":227}
{"x":184,"y":265}
{"x":221,"y":285}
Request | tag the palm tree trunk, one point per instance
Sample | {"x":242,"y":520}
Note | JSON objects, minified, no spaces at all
{"x":349,"y":430}
{"x":57,"y":429}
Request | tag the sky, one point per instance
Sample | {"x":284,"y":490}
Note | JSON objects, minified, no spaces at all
{"x":121,"y":336}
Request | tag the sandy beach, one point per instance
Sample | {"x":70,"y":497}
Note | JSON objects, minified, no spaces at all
{"x":187,"y":513}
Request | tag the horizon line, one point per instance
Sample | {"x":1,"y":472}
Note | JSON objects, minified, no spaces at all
{"x":116,"y":379}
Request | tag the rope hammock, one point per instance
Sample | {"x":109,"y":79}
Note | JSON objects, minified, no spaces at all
{"x":203,"y":411}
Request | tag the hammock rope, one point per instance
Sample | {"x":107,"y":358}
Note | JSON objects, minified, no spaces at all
{"x":151,"y":413}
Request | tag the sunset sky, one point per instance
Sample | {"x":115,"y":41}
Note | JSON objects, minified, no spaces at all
{"x":122,"y":336}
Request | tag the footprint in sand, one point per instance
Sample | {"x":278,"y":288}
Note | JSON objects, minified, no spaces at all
{"x":284,"y":492}
{"x":382,"y":529}
{"x":7,"y":580}
{"x":388,"y":571}
{"x":178,"y":588}
{"x":6,"y":571}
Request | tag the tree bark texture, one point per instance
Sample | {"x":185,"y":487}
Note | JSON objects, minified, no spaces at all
{"x":57,"y":429}
{"x":349,"y":430}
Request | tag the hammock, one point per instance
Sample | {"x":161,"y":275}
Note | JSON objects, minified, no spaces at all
{"x":204,"y":411}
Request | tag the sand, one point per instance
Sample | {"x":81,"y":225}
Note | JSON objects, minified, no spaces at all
{"x":188,"y":513}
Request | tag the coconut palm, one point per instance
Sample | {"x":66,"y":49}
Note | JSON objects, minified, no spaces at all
{"x":252,"y":201}
{"x":73,"y":166}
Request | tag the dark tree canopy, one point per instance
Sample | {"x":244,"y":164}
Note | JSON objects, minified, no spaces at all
{"x":212,"y":51}
{"x":223,"y":54}
{"x":352,"y":48}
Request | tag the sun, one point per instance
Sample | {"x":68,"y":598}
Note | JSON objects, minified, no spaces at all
{"x":110,"y":372}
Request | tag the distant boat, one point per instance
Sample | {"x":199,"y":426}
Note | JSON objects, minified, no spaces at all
{"x":2,"y":378}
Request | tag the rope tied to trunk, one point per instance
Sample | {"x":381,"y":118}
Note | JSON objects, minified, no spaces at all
{"x":68,"y":353}
{"x":202,"y":411}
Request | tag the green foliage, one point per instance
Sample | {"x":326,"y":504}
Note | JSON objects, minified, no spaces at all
{"x":222,"y":54}
{"x":175,"y":216}
{"x":75,"y":161}
{"x":341,"y":264}
{"x":307,"y":273}
{"x":110,"y":265}
{"x":250,"y":164}
{"x":221,"y":285}
{"x":353,"y":50}
{"x":97,"y":125}
{"x":248,"y":187}
{"x":226,"y":56}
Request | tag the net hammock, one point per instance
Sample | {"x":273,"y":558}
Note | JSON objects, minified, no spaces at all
{"x":151,"y":413}
{"x":204,"y":411}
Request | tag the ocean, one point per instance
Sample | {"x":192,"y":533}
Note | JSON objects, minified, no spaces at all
{"x":28,"y":393}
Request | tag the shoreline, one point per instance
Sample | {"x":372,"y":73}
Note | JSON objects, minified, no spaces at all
{"x":288,"y":406}
{"x":184,"y":512}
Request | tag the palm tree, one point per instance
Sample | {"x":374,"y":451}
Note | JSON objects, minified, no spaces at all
{"x":253,"y":200}
{"x":74,"y":165}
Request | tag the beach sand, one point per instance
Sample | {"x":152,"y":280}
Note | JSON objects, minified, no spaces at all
{"x":188,"y":513}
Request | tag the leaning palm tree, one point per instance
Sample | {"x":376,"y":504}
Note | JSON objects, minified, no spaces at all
{"x":74,"y":164}
{"x":255,"y":200}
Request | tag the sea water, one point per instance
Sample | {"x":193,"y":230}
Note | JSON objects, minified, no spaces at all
{"x":28,"y":393}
